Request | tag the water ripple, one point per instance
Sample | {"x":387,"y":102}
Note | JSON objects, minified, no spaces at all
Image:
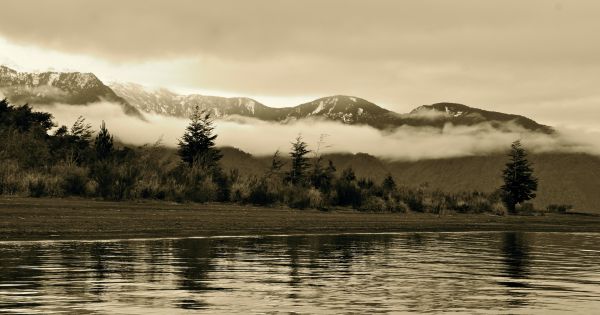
{"x":474,"y":273}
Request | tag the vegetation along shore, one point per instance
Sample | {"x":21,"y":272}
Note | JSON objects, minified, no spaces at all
{"x":42,"y":160}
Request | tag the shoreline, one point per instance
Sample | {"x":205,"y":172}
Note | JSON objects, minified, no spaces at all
{"x":50,"y":219}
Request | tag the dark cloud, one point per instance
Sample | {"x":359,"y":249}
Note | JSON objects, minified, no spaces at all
{"x":374,"y":30}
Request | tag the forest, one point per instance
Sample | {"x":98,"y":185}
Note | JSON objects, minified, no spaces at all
{"x":38,"y":158}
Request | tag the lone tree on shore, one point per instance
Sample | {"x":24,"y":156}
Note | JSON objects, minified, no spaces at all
{"x":103,"y":143}
{"x":300,"y":165}
{"x":519,"y":183}
{"x":197,"y":146}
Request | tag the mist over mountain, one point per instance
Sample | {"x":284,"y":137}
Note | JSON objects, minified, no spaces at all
{"x":76,"y":88}
{"x":340,"y":108}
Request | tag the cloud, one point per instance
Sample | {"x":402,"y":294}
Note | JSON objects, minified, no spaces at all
{"x":263,"y":138}
{"x":427,"y":114}
{"x":44,"y":91}
{"x":263,"y":29}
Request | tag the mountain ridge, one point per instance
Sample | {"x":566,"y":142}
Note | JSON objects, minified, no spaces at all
{"x":58,"y":87}
{"x":77,"y":88}
{"x":341,"y":108}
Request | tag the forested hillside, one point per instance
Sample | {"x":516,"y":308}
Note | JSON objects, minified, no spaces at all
{"x":564,"y":177}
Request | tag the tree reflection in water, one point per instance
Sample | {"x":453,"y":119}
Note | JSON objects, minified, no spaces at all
{"x":406,"y":272}
{"x":515,"y":253}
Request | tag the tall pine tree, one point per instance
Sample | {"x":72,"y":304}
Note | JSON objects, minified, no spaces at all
{"x":103,"y":143}
{"x":519,"y":183}
{"x":197,"y":146}
{"x":298,"y":172}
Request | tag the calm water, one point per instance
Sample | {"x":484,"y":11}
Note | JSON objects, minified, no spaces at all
{"x":496,"y":273}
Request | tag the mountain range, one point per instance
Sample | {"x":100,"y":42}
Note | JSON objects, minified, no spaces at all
{"x":78,"y":88}
{"x":564,"y":177}
{"x":341,"y":108}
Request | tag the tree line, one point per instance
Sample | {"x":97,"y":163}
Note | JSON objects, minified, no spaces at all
{"x":75,"y":161}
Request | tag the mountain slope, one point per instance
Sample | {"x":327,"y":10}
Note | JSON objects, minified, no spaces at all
{"x":346,"y":109}
{"x":74,"y":88}
{"x":564,"y":178}
{"x":460,"y":114}
{"x":165,"y":102}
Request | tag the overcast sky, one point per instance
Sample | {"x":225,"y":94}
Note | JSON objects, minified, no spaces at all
{"x":537,"y":58}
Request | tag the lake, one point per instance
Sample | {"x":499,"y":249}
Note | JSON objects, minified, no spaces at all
{"x":496,"y":272}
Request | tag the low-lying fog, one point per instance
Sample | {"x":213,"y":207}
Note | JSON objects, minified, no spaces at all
{"x":263,"y":138}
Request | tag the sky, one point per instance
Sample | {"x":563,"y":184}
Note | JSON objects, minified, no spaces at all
{"x":539,"y":58}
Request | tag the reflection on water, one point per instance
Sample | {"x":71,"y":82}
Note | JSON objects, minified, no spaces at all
{"x":382,"y":273}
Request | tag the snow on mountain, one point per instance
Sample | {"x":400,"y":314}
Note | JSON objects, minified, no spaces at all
{"x":165,"y":102}
{"x":346,"y":109}
{"x":83,"y":88}
{"x":460,"y":114}
{"x":74,"y":88}
{"x":340,"y":108}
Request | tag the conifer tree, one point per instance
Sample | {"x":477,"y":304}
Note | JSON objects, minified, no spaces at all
{"x":300,"y":165}
{"x":81,"y":130}
{"x":197,"y":146}
{"x":389,"y":184}
{"x":276,"y":163}
{"x":322,"y":178}
{"x":103,"y":143}
{"x":519,"y":183}
{"x":348,"y":175}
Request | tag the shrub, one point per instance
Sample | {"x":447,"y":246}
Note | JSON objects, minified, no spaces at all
{"x":201,"y":191}
{"x":223,"y":185}
{"x":91,"y":188}
{"x":260,"y":193}
{"x":398,"y":206}
{"x":374,"y":203}
{"x":174,"y":190}
{"x":125,"y":176}
{"x":29,"y":148}
{"x":240,"y":191}
{"x":10,"y":181}
{"x":40,"y":185}
{"x":103,"y":173}
{"x":525,"y":208}
{"x":315,"y":199}
{"x":297,"y":197}
{"x":348,"y":194}
{"x":435,"y":203}
{"x":415,"y":202}
{"x":148,"y":189}
{"x":498,"y":208}
{"x":36,"y":187}
{"x":74,"y":180}
{"x":114,"y":181}
{"x":479,"y":204}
